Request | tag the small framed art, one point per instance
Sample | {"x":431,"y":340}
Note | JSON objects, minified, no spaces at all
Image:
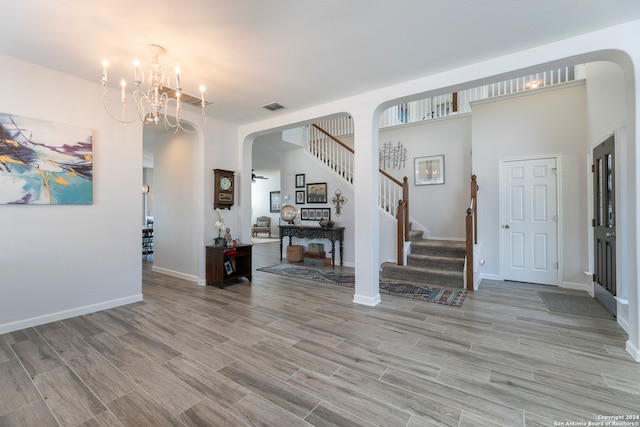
{"x":429,"y":170}
{"x":317,"y":192}
{"x":300,"y":180}
{"x":274,"y":201}
{"x":228,"y":268}
{"x":299,"y":197}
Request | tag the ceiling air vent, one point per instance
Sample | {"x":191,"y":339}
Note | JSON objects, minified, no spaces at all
{"x":273,"y":106}
{"x":185,"y":98}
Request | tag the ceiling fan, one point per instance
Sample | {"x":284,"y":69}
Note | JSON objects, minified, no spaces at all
{"x":254,"y":176}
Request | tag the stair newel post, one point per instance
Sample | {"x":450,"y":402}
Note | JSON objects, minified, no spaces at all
{"x":469,"y":224}
{"x":474,"y":199}
{"x":405,"y":197}
{"x":401,"y":215}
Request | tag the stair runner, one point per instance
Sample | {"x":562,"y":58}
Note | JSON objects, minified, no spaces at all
{"x":431,"y":262}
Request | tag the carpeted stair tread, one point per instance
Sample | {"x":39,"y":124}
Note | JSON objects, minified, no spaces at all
{"x":439,"y":248}
{"x":415,"y":235}
{"x":437,"y":262}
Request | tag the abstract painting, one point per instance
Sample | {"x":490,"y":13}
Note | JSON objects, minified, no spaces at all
{"x":44,"y":163}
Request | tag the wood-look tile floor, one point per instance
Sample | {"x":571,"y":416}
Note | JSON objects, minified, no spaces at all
{"x":282,"y":352}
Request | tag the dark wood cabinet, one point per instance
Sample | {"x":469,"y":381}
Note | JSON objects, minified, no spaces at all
{"x":226,"y":263}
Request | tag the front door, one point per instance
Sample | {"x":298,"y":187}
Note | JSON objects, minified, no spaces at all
{"x":530,"y":221}
{"x":604,"y":222}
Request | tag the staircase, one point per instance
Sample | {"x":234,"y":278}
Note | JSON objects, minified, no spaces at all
{"x":431,"y":262}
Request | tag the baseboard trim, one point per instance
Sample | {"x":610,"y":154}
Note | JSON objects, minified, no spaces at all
{"x":179,"y":275}
{"x":364,"y":300}
{"x":633,"y":351}
{"x":66,"y":314}
{"x":577,"y":286}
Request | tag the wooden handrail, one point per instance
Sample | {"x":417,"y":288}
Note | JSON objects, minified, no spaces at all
{"x":334,"y":138}
{"x":474,"y":198}
{"x":469,"y":227}
{"x":405,"y":197}
{"x":392,"y":179}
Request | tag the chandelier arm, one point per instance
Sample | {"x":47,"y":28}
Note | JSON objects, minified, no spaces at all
{"x":139,"y":97}
{"x":106,"y":108}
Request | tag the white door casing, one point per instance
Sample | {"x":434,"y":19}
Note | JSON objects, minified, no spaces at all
{"x":529,"y":228}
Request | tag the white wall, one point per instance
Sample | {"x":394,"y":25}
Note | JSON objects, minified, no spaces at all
{"x":61,"y":261}
{"x":441,"y":208}
{"x":546,"y":123}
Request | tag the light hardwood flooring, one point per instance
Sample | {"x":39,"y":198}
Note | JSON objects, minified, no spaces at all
{"x":282,"y":352}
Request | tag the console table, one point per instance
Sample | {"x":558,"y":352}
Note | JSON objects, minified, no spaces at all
{"x":305,"y":232}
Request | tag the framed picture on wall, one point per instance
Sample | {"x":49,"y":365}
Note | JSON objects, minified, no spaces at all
{"x":312,"y":214}
{"x":304,"y":213}
{"x":300,"y":180}
{"x":300,"y":197}
{"x":429,"y":170}
{"x":326,"y":213}
{"x":274,"y":201}
{"x":317,"y":192}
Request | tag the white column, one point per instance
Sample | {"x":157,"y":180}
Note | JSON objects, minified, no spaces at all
{"x":367,"y":230}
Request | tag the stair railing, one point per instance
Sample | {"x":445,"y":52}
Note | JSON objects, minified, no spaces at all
{"x":340,"y":158}
{"x":471,"y":230}
{"x":334,"y":153}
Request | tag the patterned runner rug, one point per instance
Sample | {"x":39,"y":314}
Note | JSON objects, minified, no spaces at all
{"x":435,"y":294}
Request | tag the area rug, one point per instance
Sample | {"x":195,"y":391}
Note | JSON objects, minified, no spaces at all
{"x":435,"y":294}
{"x":574,"y":304}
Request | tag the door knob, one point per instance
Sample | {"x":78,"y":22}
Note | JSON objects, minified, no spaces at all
{"x":611,"y":234}
{"x":506,"y":226}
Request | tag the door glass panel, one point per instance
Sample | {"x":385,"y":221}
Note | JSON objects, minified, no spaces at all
{"x":600,"y":192}
{"x":610,"y":198}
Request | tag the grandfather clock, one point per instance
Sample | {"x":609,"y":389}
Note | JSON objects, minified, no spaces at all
{"x":223,"y":189}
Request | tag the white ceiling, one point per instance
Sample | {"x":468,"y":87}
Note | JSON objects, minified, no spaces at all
{"x":296,"y":52}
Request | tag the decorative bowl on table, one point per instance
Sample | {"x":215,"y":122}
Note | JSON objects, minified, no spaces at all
{"x":327,"y":223}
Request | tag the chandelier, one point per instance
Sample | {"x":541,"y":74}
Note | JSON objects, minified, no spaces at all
{"x":153,"y":95}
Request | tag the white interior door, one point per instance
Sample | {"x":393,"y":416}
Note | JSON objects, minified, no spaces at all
{"x":530,"y":221}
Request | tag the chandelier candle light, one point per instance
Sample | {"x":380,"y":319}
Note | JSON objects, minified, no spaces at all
{"x":150,"y":104}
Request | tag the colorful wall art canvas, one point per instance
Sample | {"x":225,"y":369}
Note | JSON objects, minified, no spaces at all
{"x":44,"y":163}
